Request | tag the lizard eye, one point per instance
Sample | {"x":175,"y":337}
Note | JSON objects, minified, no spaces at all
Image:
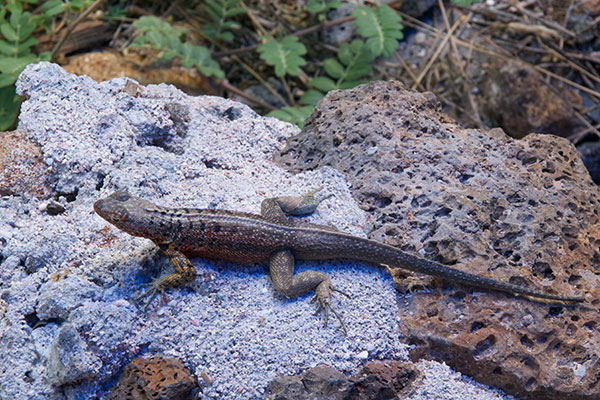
{"x":119,"y":216}
{"x":123,"y":196}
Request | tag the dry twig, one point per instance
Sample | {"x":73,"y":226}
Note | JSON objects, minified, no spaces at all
{"x":81,"y":17}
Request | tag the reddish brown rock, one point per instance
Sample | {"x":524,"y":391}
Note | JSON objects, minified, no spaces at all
{"x":108,"y":64}
{"x":379,"y":380}
{"x":22,"y":169}
{"x":157,"y":378}
{"x":520,"y":211}
{"x":383,"y":380}
{"x":520,"y":102}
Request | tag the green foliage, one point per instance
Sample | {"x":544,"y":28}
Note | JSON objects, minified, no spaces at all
{"x":16,"y":40}
{"x":219,"y":11}
{"x":293,"y":115}
{"x":9,"y":107}
{"x":16,"y":33}
{"x":155,"y":32}
{"x":52,"y":8}
{"x":380,"y":26}
{"x":285,"y":55}
{"x":161,"y":36}
{"x":353,"y":62}
{"x":465,"y":3}
{"x":117,"y":12}
{"x":321,"y":6}
{"x":78,"y":5}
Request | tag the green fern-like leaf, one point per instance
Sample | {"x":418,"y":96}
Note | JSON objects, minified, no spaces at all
{"x":14,"y":65}
{"x":15,"y":43}
{"x":161,"y":36}
{"x":16,"y":40}
{"x":319,"y":6}
{"x":220,"y":11}
{"x":285,"y":55}
{"x":16,"y":32}
{"x":199,"y":57}
{"x":154,"y":32}
{"x":311,"y":97}
{"x":381,"y":27}
{"x":465,"y":3}
{"x":353,"y":62}
{"x":293,"y":115}
{"x":9,"y":107}
{"x":79,"y":5}
{"x":53,"y":7}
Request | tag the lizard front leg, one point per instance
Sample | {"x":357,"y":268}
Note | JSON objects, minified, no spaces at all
{"x":184,"y":273}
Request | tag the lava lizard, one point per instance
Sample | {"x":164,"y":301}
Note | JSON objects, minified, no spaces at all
{"x":273,"y":237}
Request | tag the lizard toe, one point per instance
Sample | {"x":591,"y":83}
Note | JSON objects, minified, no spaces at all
{"x":322,"y":299}
{"x":155,"y":289}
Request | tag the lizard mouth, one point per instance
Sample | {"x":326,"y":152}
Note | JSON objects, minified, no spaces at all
{"x":116,"y":215}
{"x":100,"y":209}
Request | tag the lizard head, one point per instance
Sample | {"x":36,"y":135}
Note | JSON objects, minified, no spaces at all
{"x":124,"y":211}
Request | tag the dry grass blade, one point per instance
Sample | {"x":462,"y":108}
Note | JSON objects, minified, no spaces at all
{"x":439,"y":50}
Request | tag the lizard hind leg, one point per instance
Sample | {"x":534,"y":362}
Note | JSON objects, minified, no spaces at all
{"x":289,"y":285}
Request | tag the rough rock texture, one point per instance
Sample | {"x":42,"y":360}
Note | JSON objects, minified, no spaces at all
{"x":158,"y":378}
{"x":379,"y":380}
{"x":22,"y":170}
{"x":320,"y":382}
{"x":521,"y":102}
{"x":67,"y":328}
{"x":384,"y":380}
{"x":523,"y":211}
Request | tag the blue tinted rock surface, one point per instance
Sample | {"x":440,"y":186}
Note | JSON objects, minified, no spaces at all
{"x":67,"y":327}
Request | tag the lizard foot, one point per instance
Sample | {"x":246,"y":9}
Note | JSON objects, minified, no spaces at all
{"x":322,"y":298}
{"x":407,"y":283}
{"x":155,"y":288}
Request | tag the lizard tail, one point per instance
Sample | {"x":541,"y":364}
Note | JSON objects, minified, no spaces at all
{"x":421,"y":265}
{"x":376,"y":252}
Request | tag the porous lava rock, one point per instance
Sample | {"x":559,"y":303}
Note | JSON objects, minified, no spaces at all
{"x":157,"y":378}
{"x":388,"y":379}
{"x":379,"y":380}
{"x":520,"y":211}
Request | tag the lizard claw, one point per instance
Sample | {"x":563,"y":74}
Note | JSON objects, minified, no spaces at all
{"x":339,"y":291}
{"x":322,"y":299}
{"x":154,"y":290}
